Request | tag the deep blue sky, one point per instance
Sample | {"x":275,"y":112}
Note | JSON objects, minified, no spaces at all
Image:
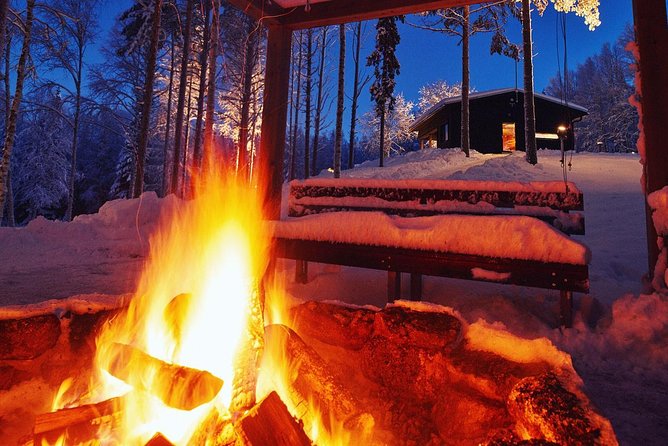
{"x":427,"y":56}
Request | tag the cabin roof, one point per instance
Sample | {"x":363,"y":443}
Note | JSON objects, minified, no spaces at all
{"x":483,"y":94}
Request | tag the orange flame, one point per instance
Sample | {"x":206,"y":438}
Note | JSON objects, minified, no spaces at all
{"x":191,"y":309}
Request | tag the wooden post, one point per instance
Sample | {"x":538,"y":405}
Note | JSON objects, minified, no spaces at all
{"x":301,"y":271}
{"x":566,"y":309}
{"x":652,"y":40}
{"x":274,"y":118}
{"x":416,"y":287}
{"x":393,"y":286}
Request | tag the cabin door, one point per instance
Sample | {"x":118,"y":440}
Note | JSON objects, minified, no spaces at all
{"x":508,"y":131}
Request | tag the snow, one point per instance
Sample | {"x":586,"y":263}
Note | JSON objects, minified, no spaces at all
{"x":617,"y":346}
{"x":513,"y":237}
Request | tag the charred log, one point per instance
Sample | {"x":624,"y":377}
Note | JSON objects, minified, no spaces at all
{"x":270,"y":424}
{"x":544,"y":409}
{"x":177,"y":386}
{"x":310,"y":380}
{"x":77,"y":424}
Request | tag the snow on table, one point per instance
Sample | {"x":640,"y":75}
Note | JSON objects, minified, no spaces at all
{"x":515,"y":237}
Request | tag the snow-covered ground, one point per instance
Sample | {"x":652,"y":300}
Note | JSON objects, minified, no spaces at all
{"x":619,"y":344}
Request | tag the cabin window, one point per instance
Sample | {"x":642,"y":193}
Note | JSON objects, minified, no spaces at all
{"x":508,"y":132}
{"x":445,"y":132}
{"x":546,"y":135}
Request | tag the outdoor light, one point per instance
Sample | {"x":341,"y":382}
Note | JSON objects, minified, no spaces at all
{"x":561,"y":130}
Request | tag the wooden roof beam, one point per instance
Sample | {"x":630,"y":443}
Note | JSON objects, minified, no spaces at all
{"x":259,"y":10}
{"x":344,"y":11}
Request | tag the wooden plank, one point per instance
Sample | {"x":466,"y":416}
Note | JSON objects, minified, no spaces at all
{"x":522,"y":272}
{"x":565,"y":201}
{"x":576,"y":221}
{"x":344,"y":11}
{"x":274,"y":118}
{"x":652,"y":39}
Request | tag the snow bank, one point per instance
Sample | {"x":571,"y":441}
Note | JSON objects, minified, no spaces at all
{"x":658,"y":201}
{"x":514,"y":237}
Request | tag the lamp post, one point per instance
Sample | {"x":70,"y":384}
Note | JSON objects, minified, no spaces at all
{"x":562,"y":130}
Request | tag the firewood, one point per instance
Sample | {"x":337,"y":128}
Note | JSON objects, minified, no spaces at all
{"x":310,"y":379}
{"x":270,"y":424}
{"x":177,"y":386}
{"x":77,"y":423}
{"x":159,"y":440}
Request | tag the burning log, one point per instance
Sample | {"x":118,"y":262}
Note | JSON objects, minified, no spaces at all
{"x":159,"y":440}
{"x":270,"y":424}
{"x":309,"y":378}
{"x":544,"y":409}
{"x":247,"y":361}
{"x":76,"y":424}
{"x":177,"y":386}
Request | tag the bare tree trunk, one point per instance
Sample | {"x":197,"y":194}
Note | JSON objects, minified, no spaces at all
{"x":18,"y":96}
{"x":319,"y":105}
{"x":529,"y":109}
{"x":75,"y":135}
{"x":203,"y":60}
{"x":382,"y":137}
{"x":180,"y":106}
{"x":247,"y":90}
{"x":293,"y":155}
{"x":307,"y":126}
{"x":211,"y":90}
{"x":147,"y":101}
{"x":466,"y":81}
{"x":9,"y":202}
{"x":186,"y":139}
{"x":4,"y":7}
{"x":356,"y":93}
{"x":339,"y":102}
{"x":168,"y":124}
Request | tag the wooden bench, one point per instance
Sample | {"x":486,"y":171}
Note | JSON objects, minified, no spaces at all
{"x":476,"y":230}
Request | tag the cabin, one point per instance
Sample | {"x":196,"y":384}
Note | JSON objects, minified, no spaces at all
{"x":496,"y":122}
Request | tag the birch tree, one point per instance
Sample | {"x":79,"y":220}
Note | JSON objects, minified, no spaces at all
{"x":464,"y":22}
{"x":10,"y":133}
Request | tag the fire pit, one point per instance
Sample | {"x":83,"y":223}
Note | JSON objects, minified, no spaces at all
{"x":208,"y":352}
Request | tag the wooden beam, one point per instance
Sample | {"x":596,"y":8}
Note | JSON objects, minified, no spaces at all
{"x":652,"y":40}
{"x":261,"y":10}
{"x":343,"y":11}
{"x":556,"y":276}
{"x":274,"y":118}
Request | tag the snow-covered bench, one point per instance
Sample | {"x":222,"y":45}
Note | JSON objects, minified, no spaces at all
{"x":431,"y":227}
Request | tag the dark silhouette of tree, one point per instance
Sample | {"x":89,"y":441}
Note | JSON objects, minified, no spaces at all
{"x":386,"y":67}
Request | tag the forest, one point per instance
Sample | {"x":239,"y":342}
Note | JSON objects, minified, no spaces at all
{"x":92,"y":114}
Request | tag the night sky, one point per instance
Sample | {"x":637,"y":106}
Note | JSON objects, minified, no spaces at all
{"x":428,"y":56}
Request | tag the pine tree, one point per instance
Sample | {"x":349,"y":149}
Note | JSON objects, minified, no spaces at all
{"x":41,"y":174}
{"x":386,"y":67}
{"x":358,"y":86}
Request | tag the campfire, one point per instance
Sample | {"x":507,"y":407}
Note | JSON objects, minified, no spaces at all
{"x":210,"y":350}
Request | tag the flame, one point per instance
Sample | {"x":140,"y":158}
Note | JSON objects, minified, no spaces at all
{"x":192,"y":308}
{"x":192,"y":302}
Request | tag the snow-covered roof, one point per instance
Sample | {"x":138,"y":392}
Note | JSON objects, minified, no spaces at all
{"x":483,"y":94}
